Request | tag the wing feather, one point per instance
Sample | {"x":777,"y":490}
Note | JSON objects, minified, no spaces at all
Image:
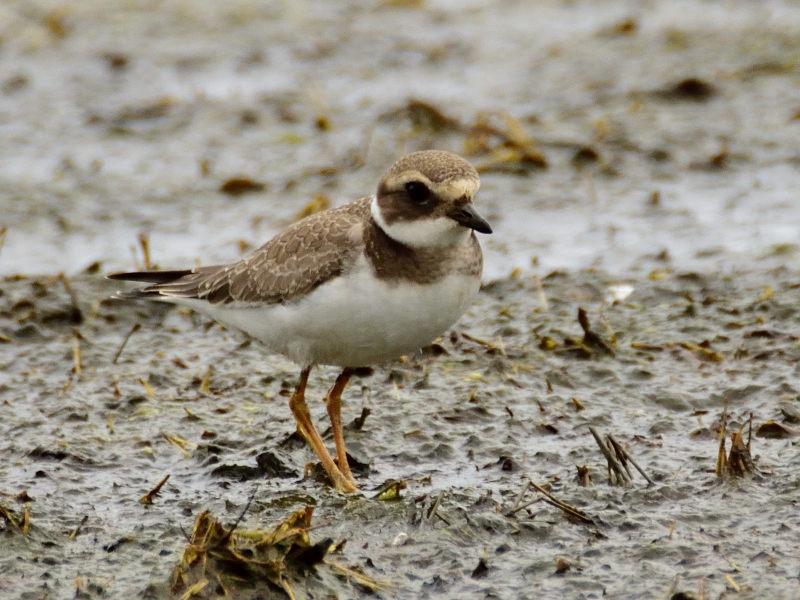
{"x":300,"y":258}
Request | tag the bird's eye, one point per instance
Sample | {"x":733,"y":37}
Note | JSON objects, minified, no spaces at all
{"x":417,"y":192}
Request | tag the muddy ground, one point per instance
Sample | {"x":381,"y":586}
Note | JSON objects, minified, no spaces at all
{"x":645,"y":144}
{"x":470,"y":419}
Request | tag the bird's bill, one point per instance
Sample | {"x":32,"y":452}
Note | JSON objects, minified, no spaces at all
{"x":467,"y":216}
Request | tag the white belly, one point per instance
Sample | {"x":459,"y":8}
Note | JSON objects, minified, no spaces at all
{"x":353,"y":321}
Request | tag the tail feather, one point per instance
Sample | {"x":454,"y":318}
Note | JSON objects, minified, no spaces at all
{"x":165,"y":284}
{"x":150,"y":276}
{"x":137,"y":294}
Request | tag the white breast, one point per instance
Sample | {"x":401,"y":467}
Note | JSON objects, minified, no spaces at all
{"x":353,"y":320}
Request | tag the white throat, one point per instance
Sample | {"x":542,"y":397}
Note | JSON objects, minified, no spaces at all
{"x":440,"y":232}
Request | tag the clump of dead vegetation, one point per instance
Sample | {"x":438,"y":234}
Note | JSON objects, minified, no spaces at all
{"x":738,"y":462}
{"x":15,"y":522}
{"x":240,"y":563}
{"x":618,"y":458}
{"x":503,"y":137}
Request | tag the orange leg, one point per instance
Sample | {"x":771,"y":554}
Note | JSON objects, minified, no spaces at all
{"x":334,"y":404}
{"x":306,"y":426}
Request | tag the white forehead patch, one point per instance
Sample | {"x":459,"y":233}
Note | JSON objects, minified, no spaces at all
{"x":437,"y":232}
{"x":460,"y":187}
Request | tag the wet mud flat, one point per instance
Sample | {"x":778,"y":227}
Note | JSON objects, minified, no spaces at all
{"x":504,"y":401}
{"x":602,"y":131}
{"x":656,"y":140}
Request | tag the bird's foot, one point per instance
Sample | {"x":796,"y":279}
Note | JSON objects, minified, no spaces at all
{"x":342,"y":484}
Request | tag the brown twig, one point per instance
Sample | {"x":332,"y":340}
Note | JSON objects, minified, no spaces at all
{"x":722,"y":458}
{"x":434,"y":510}
{"x":624,"y":453}
{"x":619,"y":454}
{"x":229,"y":533}
{"x":74,"y":533}
{"x":519,"y":498}
{"x":750,"y":432}
{"x":26,"y":519}
{"x":144,"y":244}
{"x":590,"y":338}
{"x":77,"y":361}
{"x":515,"y":510}
{"x":8,"y":516}
{"x":148,"y":497}
{"x":73,"y":298}
{"x":573,"y":512}
{"x":133,"y":330}
{"x":358,"y":422}
{"x":475,"y":340}
{"x":613,"y":465}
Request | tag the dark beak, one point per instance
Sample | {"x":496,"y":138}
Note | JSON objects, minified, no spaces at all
{"x":466,"y":215}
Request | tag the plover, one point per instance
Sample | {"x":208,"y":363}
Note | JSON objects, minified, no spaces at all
{"x":353,"y":286}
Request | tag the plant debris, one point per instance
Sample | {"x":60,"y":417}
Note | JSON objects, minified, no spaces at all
{"x":621,"y":475}
{"x":501,"y":135}
{"x":584,"y":156}
{"x":390,"y":490}
{"x":624,"y":458}
{"x":618,"y":458}
{"x":243,"y":563}
{"x":691,"y":89}
{"x":562,"y":565}
{"x":480,"y":571}
{"x":358,"y":422}
{"x":8,"y":516}
{"x":573,"y":513}
{"x":590,"y":338}
{"x":775,"y":431}
{"x":739,"y":461}
{"x":424,"y":116}
{"x":116,"y":61}
{"x":319,"y":203}
{"x":148,"y":497}
{"x":625,"y":27}
{"x":583,"y":477}
{"x":238,"y":186}
{"x":133,"y":330}
{"x":75,"y":532}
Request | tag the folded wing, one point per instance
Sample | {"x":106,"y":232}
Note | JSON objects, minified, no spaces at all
{"x":300,"y":258}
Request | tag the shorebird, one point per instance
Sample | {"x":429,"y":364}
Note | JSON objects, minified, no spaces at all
{"x":361,"y":284}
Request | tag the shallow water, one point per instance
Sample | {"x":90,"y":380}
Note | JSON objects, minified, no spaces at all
{"x":95,"y":153}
